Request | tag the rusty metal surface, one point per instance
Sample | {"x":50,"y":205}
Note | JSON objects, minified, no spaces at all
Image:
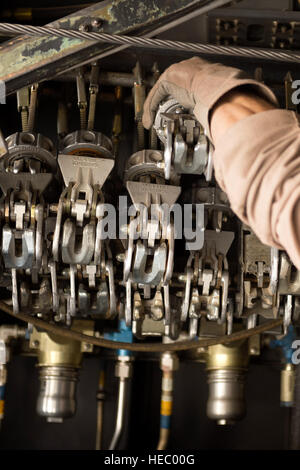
{"x":24,"y":60}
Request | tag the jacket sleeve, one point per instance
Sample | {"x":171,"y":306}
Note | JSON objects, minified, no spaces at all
{"x":257,"y":163}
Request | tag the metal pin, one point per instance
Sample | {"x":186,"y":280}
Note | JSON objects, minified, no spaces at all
{"x":94,"y":89}
{"x":81,"y":96}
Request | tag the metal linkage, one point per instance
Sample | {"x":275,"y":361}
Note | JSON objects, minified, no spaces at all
{"x":186,"y":151}
{"x":207,"y":270}
{"x":149,"y":257}
{"x":60,"y":266}
{"x":78,"y":241}
{"x":260,"y":274}
{"x":55,"y":254}
{"x":25,"y":172}
{"x":185,"y":144}
{"x":143,"y":42}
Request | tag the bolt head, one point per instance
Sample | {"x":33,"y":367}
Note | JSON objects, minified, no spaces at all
{"x":97,"y":22}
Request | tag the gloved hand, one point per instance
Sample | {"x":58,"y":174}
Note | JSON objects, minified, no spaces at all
{"x":197,"y":85}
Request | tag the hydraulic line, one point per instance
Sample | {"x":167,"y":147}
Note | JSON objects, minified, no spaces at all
{"x":145,"y":42}
{"x":168,"y":364}
{"x":100,"y":406}
{"x":165,"y":409}
{"x":123,"y":371}
{"x":147,"y":347}
{"x":123,"y":385}
{"x":3,"y":377}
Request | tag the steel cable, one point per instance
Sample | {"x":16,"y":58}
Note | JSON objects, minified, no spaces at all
{"x":253,"y":53}
{"x":146,"y":347}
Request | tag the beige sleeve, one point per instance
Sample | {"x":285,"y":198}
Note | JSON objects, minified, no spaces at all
{"x":257,"y":163}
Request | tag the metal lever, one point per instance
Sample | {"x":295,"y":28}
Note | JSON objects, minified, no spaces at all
{"x":11,"y":260}
{"x":70,"y":253}
{"x":94,"y":89}
{"x":154,"y":276}
{"x":81,"y":95}
{"x":101,"y":305}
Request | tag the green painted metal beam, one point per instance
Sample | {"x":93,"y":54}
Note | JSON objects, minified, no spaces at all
{"x":26,"y":60}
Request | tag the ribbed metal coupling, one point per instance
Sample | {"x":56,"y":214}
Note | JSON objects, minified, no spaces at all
{"x":226,"y":402}
{"x":57,"y":396}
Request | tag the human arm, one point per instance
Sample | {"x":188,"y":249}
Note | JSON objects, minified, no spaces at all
{"x":257,"y":145}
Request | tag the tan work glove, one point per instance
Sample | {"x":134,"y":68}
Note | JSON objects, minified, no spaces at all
{"x":197,"y":85}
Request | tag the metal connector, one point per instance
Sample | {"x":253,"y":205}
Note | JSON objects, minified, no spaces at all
{"x":139,"y":95}
{"x":81,"y":98}
{"x":32,"y":107}
{"x":93,"y":89}
{"x":23,"y":106}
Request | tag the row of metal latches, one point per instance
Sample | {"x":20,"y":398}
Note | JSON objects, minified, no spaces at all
{"x":55,"y":252}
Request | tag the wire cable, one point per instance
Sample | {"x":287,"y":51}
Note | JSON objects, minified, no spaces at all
{"x":248,"y":52}
{"x":146,"y":347}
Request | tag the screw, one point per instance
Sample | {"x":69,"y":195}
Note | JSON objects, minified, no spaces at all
{"x":97,"y":23}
